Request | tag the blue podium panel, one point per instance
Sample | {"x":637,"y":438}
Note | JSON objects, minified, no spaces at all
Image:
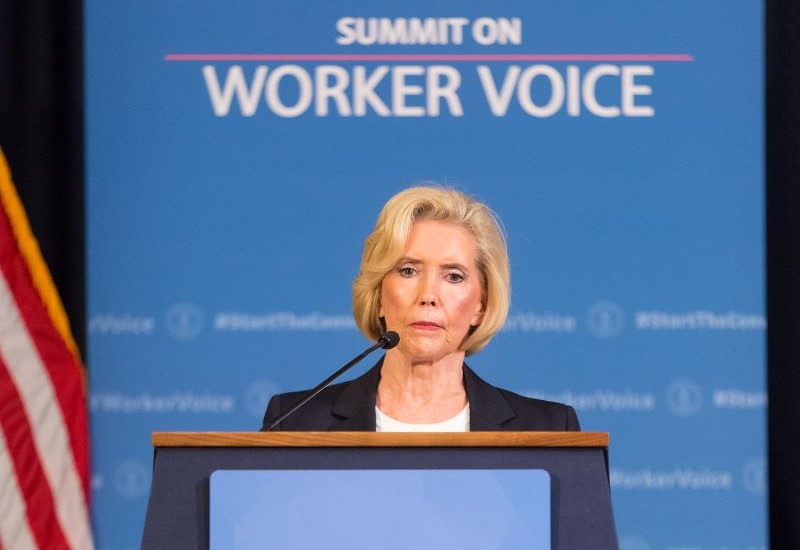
{"x":387,"y":509}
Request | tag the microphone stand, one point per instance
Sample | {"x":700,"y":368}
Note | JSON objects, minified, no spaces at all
{"x":387,"y":341}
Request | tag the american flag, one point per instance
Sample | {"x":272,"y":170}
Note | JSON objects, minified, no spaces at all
{"x":44,"y":442}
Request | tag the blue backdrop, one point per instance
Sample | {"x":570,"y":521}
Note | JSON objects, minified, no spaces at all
{"x":238,"y":154}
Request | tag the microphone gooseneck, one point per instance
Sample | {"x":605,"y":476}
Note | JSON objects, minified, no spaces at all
{"x":388,"y":340}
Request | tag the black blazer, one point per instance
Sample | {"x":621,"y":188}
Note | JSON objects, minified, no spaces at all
{"x":350,"y":406}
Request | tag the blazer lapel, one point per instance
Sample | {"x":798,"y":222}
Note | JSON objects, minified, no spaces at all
{"x":488,"y":409}
{"x":355,"y":407}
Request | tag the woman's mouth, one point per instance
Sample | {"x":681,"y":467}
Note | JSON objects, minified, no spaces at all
{"x":426,"y":325}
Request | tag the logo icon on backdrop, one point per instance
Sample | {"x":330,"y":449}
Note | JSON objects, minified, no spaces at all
{"x":684,"y":398}
{"x":754,"y":476}
{"x":606,"y":319}
{"x":184,"y":321}
{"x":98,"y":482}
{"x":257,"y":395}
{"x":633,"y":543}
{"x":131,"y":479}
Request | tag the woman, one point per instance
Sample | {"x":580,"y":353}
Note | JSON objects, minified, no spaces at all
{"x":435,"y":270}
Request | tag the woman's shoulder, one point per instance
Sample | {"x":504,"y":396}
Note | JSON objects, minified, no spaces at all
{"x":515,"y":411}
{"x":525,"y":402}
{"x":538,"y":412}
{"x":331,"y":406}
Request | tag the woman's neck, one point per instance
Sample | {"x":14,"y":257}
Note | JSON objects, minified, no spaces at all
{"x":421,"y":392}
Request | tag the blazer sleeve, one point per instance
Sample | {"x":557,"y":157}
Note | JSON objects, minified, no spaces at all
{"x":273,"y":411}
{"x":573,"y":425}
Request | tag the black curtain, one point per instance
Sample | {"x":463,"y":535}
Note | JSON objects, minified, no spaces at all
{"x":41,"y":132}
{"x":783,"y":269}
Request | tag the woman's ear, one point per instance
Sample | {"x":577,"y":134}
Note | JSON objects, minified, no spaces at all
{"x":477,"y":317}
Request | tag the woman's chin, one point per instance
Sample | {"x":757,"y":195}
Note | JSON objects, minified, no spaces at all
{"x":421,"y":353}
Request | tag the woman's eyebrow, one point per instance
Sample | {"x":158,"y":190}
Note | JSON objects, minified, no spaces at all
{"x":408,"y":260}
{"x":455,"y":265}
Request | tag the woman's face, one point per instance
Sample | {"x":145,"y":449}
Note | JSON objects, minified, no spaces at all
{"x":433,"y":294}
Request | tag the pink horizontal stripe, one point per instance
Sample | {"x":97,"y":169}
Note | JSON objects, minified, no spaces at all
{"x":425,"y":57}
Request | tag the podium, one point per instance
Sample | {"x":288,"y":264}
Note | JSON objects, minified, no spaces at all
{"x":577,"y":463}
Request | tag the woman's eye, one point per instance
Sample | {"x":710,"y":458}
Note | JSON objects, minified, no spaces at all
{"x":406,"y":271}
{"x":455,"y":277}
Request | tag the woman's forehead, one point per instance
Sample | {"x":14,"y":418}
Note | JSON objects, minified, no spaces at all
{"x":440,"y":242}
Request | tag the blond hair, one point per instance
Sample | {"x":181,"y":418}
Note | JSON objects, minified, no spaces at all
{"x":386,"y":245}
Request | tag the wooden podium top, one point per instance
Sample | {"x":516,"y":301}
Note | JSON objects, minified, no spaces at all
{"x":382,"y":439}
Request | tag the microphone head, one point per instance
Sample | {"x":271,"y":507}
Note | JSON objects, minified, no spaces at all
{"x":389,"y":339}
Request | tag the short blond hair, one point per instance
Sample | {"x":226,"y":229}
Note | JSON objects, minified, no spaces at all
{"x":386,"y":244}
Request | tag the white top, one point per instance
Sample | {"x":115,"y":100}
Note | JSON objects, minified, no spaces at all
{"x":459,"y":423}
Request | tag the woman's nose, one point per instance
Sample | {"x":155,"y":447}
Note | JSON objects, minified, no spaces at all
{"x":427,"y":292}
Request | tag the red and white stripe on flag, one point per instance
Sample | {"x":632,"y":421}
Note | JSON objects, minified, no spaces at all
{"x":44,"y":442}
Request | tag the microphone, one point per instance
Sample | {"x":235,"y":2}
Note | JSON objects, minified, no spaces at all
{"x":388,"y":340}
